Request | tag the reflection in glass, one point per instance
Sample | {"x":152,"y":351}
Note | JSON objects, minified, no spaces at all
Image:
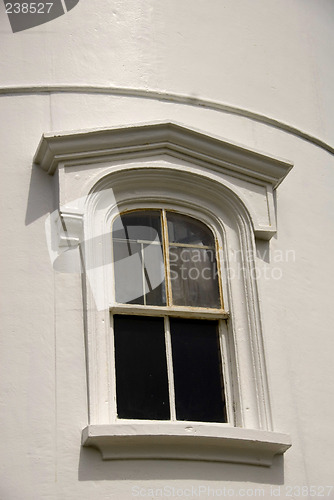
{"x":193,"y":274}
{"x":184,"y":229}
{"x":138,"y":258}
{"x":192,"y":263}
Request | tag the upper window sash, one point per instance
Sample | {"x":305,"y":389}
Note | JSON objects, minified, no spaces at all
{"x":165,"y":259}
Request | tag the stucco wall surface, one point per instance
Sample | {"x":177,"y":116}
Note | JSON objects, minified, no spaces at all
{"x":266,"y":56}
{"x":269,"y":57}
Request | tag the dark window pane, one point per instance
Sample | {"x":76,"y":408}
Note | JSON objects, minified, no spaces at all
{"x":138,"y":259}
{"x":141,"y":368}
{"x":198,"y":381}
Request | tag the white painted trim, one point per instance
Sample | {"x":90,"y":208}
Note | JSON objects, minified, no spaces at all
{"x":250,"y":174}
{"x":225,"y":356}
{"x":185,"y":441}
{"x":228,"y":219}
{"x":159,"y":138}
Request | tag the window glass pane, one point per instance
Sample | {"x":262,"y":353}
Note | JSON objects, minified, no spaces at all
{"x":185,"y":229}
{"x":192,"y":261}
{"x":193,"y":273}
{"x":138,"y":258}
{"x":198,"y":381}
{"x":154,"y":275}
{"x":139,"y":225}
{"x":128,"y":272}
{"x":141,"y":368}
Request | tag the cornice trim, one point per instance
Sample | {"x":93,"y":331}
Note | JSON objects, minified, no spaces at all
{"x":167,"y":97}
{"x":150,"y":139}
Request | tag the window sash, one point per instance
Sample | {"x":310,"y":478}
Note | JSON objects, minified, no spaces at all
{"x":166,"y":244}
{"x":223,"y":345}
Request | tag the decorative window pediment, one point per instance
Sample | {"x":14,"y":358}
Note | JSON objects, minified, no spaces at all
{"x":251,"y":175}
{"x":166,"y":168}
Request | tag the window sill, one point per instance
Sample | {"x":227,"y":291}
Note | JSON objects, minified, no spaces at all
{"x":185,"y":441}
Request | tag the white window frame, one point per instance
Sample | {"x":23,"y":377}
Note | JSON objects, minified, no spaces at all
{"x":229,"y":188}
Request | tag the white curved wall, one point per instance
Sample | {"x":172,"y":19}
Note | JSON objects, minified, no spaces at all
{"x":272,"y":58}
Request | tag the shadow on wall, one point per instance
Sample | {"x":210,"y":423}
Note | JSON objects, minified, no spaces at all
{"x":93,"y":468}
{"x":41,"y":198}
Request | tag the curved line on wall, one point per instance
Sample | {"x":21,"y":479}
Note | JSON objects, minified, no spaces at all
{"x":167,"y":97}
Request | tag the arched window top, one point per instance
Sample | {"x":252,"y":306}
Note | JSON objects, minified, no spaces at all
{"x":165,"y":258}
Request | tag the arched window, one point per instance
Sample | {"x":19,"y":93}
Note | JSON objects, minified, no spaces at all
{"x":175,"y":354}
{"x":168,"y":361}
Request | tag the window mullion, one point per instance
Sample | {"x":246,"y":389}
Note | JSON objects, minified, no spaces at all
{"x":170,"y":372}
{"x":166,"y":258}
{"x":143,"y":271}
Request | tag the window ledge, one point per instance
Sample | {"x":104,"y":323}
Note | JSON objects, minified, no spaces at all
{"x":186,"y":441}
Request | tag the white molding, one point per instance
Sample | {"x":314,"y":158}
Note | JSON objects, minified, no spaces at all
{"x":226,"y":215}
{"x":252,"y":175}
{"x":70,"y":226}
{"x":185,"y":441}
{"x":164,"y":165}
{"x":102,"y":144}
